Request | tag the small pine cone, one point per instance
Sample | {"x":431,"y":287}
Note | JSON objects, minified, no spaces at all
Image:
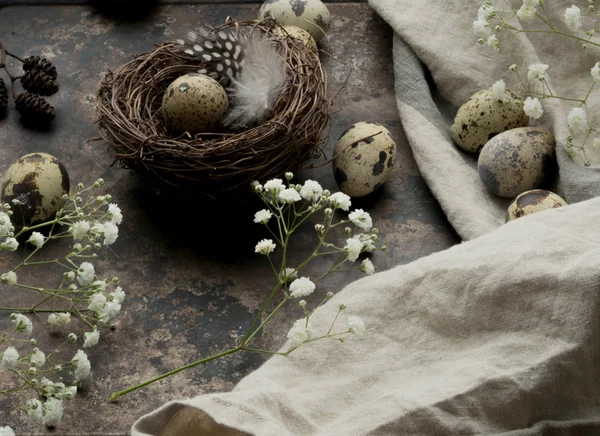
{"x":3,"y":97}
{"x":41,"y":64}
{"x":34,"y":108}
{"x":37,"y":81}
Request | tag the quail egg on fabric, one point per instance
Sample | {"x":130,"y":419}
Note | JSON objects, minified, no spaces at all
{"x":36,"y":182}
{"x":516,"y":161}
{"x":298,"y":33}
{"x":533,"y":201}
{"x":194,"y":103}
{"x":483,"y":116}
{"x":364,"y":158}
{"x":310,"y":15}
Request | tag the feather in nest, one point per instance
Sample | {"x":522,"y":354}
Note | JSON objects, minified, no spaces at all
{"x":262,"y":79}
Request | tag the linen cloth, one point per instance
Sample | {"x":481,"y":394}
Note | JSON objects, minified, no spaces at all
{"x":498,"y":335}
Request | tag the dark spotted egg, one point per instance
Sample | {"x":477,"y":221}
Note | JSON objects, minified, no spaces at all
{"x":363,"y":158}
{"x":516,"y":161}
{"x":194,"y":103}
{"x":533,"y":201}
{"x":34,"y":186}
{"x":310,"y":15}
{"x":483,"y":116}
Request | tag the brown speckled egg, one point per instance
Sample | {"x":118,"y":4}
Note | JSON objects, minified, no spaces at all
{"x":516,"y":161}
{"x":297,"y":33}
{"x":483,"y":116}
{"x":194,"y":103}
{"x":364,"y":158}
{"x":37,"y":182}
{"x":310,"y":15}
{"x":533,"y":201}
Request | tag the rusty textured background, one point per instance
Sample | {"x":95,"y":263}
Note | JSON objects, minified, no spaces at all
{"x":189,"y":270}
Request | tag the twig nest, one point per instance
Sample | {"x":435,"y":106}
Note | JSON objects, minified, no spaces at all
{"x":533,"y":201}
{"x":194,"y":103}
{"x":34,"y":186}
{"x":483,"y":116}
{"x":363,"y":158}
{"x":310,"y":15}
{"x":516,"y":161}
{"x":298,"y":33}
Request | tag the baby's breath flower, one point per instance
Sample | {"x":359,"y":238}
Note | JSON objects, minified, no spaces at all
{"x":481,"y":28}
{"x":353,"y":248}
{"x":356,"y":325}
{"x":274,"y":186}
{"x":289,"y":195}
{"x":35,"y":411}
{"x":302,"y":303}
{"x":9,"y":244}
{"x":319,"y":228}
{"x":100,"y":285}
{"x":265,"y":246}
{"x":37,"y":358}
{"x":82,"y":366}
{"x":301,"y":287}
{"x":6,"y":431}
{"x":595,"y":72}
{"x":499,"y":90}
{"x":486,"y":12}
{"x":577,"y":120}
{"x":91,"y":338}
{"x":311,"y":190}
{"x":116,"y":217}
{"x":9,"y":278}
{"x":59,"y":319}
{"x":85,"y":275}
{"x":573,"y":17}
{"x":262,"y":216}
{"x":110,"y":311}
{"x":258,"y":188}
{"x":361,"y":219}
{"x":5,"y":224}
{"x":493,"y":42}
{"x":36,"y":239}
{"x":527,"y":11}
{"x":22,"y":323}
{"x":533,"y":108}
{"x":97,"y":302}
{"x":118,"y":295}
{"x":9,"y":358}
{"x":70,"y":392}
{"x":70,"y":276}
{"x":53,"y":412}
{"x":107,"y":229}
{"x":77,"y":247}
{"x":367,"y":267}
{"x":537,"y":72}
{"x":298,"y":333}
{"x":289,"y":274}
{"x":596,"y":143}
{"x":340,"y":200}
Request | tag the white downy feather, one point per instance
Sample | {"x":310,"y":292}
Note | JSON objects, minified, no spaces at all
{"x":261,"y":81}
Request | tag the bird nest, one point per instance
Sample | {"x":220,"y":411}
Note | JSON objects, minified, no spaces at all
{"x":128,"y":103}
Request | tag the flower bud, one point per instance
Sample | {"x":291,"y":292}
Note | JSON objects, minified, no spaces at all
{"x":289,"y":175}
{"x":115,"y":280}
{"x":384,"y":247}
{"x":480,"y":41}
{"x":328,"y":211}
{"x":319,"y":228}
{"x":513,"y":68}
{"x":326,"y":193}
{"x":97,"y":245}
{"x":348,"y":230}
{"x":65,"y":197}
{"x":302,"y":303}
{"x":342,"y":306}
{"x":32,"y":342}
{"x":258,"y":188}
{"x":79,"y":200}
{"x":32,"y":371}
{"x":58,"y":396}
{"x":72,"y":338}
{"x":98,"y":183}
{"x":79,"y":186}
{"x":72,"y":287}
{"x":330,"y":295}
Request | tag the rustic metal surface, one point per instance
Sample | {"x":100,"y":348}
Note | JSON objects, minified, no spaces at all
{"x":192,"y":279}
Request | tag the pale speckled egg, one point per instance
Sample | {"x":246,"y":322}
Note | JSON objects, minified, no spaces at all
{"x":516,"y":161}
{"x":482,"y":117}
{"x":363,"y":158}
{"x":298,"y":33}
{"x":194,"y":103}
{"x":533,"y":201}
{"x":37,"y":182}
{"x":310,"y":15}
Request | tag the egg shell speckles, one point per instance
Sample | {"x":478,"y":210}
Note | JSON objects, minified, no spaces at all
{"x":39,"y":181}
{"x":516,"y":161}
{"x":310,"y":15}
{"x":482,"y":117}
{"x":533,"y":201}
{"x":194,"y":103}
{"x":298,"y":33}
{"x":364,"y":158}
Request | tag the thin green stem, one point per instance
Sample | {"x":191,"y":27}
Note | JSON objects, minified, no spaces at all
{"x":258,"y":350}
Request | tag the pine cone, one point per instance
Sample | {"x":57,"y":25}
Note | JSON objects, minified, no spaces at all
{"x":40,"y":64}
{"x":38,"y":82}
{"x":3,"y":97}
{"x":34,"y":108}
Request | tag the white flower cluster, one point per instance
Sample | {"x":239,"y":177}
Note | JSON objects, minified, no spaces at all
{"x":7,"y":235}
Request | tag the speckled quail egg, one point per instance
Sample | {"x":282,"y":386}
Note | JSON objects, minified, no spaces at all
{"x":194,"y":103}
{"x":310,"y":15}
{"x":533,"y":201}
{"x":363,"y":158}
{"x":298,"y":33}
{"x":34,"y":186}
{"x":483,"y":116}
{"x":516,"y":161}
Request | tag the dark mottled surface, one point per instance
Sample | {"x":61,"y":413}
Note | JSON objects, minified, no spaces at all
{"x":192,"y":279}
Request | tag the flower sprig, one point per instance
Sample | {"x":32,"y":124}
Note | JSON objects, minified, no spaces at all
{"x":496,"y":24}
{"x":289,"y":206}
{"x":91,"y":222}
